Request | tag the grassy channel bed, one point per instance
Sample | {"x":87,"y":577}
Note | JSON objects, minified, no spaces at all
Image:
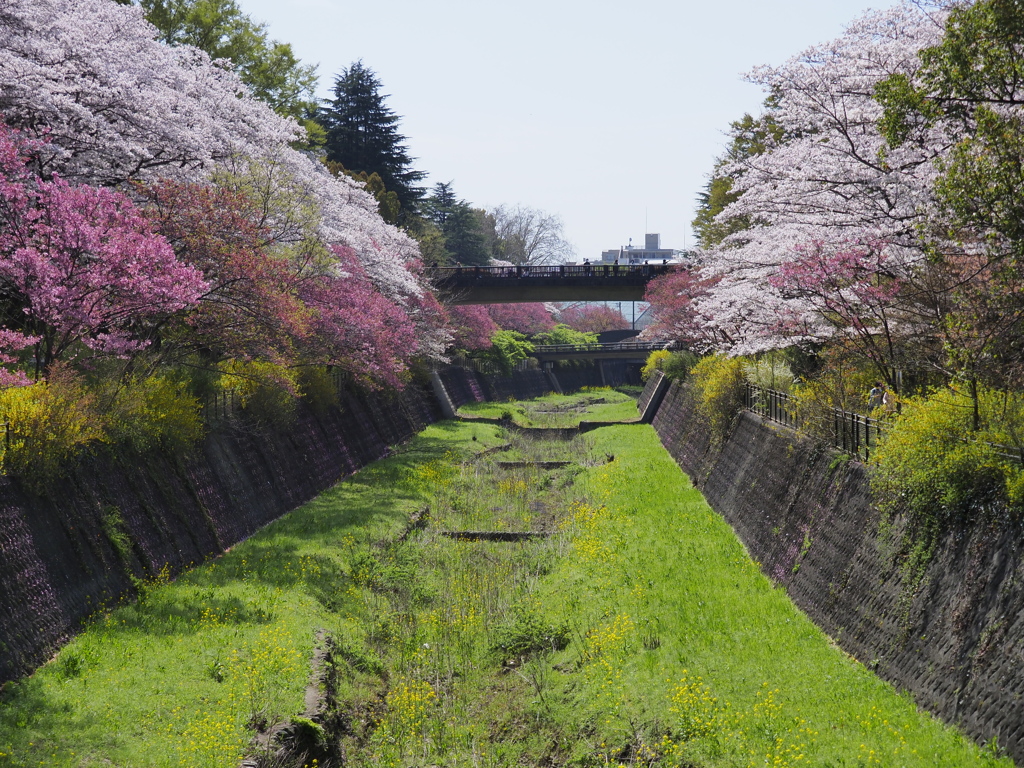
{"x":633,"y":629}
{"x":554,"y":410}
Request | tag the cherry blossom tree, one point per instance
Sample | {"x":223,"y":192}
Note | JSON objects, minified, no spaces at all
{"x":593,"y":318}
{"x":250,"y":308}
{"x":80,"y":266}
{"x":526,"y":318}
{"x":472,"y":326}
{"x":672,"y":297}
{"x":117,"y":106}
{"x":826,"y":175}
{"x":356,"y":327}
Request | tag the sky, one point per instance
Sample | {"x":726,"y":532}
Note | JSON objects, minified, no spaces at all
{"x":608,"y":114}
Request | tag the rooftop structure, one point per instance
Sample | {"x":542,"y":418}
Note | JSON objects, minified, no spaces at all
{"x":630,"y":254}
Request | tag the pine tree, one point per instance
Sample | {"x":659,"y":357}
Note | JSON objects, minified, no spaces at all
{"x":461,"y":225}
{"x":362,"y":135}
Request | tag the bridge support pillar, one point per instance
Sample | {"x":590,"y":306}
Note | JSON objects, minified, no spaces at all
{"x":549,"y":371}
{"x":600,"y":367}
{"x":447,"y":407}
{"x":654,"y":393}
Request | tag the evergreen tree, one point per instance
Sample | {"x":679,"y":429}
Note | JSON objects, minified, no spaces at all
{"x":750,"y":137}
{"x":460,"y":223}
{"x":362,"y":135}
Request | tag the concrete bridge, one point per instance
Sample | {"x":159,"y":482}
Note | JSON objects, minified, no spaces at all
{"x":520,"y":284}
{"x":623,"y":350}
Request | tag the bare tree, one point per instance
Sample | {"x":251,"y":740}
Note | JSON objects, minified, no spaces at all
{"x":525,"y":235}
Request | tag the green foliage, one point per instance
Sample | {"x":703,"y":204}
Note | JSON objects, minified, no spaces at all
{"x":933,"y":466}
{"x":362,"y":135}
{"x":151,"y":413}
{"x":565,"y":334}
{"x":317,"y":388}
{"x":675,"y":365}
{"x":718,"y":384}
{"x":462,"y":226}
{"x":528,"y":633}
{"x":770,"y":371}
{"x":903,"y":106}
{"x":48,"y":424}
{"x":508,"y":348}
{"x":117,"y":533}
{"x":266,"y":391}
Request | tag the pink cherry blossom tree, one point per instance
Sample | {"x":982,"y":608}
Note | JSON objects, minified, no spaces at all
{"x":472,"y":327}
{"x":528,"y":318}
{"x":356,"y":327}
{"x":593,"y":318}
{"x":80,"y":266}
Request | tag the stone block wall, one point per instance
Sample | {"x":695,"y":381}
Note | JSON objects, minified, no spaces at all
{"x":59,"y":564}
{"x":951,"y":634}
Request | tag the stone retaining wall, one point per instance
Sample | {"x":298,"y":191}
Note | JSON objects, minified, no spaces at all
{"x":59,"y":560}
{"x":952,"y":634}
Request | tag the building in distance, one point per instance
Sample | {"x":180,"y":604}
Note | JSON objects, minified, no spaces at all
{"x":651,"y":252}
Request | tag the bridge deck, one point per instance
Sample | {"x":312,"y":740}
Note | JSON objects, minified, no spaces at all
{"x":509,"y":285}
{"x":623,"y":350}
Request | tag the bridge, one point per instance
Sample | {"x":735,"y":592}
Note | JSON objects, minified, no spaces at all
{"x":518,"y":284}
{"x":623,"y":350}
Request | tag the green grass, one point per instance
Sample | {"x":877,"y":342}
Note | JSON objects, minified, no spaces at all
{"x":637,"y":632}
{"x":178,"y":678}
{"x":553,"y":410}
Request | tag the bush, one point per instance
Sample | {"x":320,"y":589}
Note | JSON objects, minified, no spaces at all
{"x":564,"y":334}
{"x":157,"y":412}
{"x":675,"y":365}
{"x":266,"y":391}
{"x":527,"y":634}
{"x":49,"y":423}
{"x":718,"y":383}
{"x":508,"y":348}
{"x":318,"y":388}
{"x":933,"y":466}
{"x":770,"y":371}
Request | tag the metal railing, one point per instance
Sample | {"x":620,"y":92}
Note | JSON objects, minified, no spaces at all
{"x":772,"y":405}
{"x":619,"y":346}
{"x":220,"y":405}
{"x":519,"y":272}
{"x":855,"y":433}
{"x":852,"y":433}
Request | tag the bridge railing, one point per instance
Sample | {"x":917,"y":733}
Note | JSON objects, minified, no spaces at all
{"x":519,"y":272}
{"x":618,"y":346}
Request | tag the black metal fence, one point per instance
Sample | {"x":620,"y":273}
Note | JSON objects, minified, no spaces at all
{"x":772,"y":405}
{"x":220,"y":405}
{"x":852,"y":433}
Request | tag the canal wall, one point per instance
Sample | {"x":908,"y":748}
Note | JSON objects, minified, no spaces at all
{"x":464,"y":385}
{"x":116,"y":519}
{"x":951,"y":633}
